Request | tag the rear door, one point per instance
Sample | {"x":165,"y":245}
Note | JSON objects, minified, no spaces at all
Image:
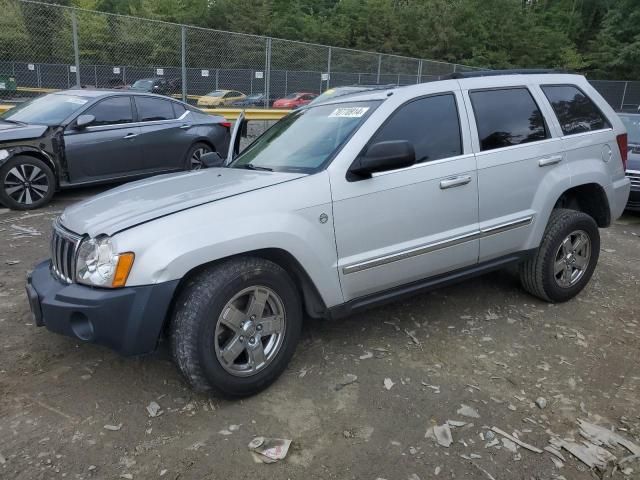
{"x":107,"y":148}
{"x":165,"y":135}
{"x":519,"y":164}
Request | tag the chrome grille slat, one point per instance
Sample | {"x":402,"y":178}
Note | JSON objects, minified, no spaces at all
{"x":634,"y":176}
{"x":64,"y":247}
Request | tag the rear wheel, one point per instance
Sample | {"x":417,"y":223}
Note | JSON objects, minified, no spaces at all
{"x":26,"y":183}
{"x":193,"y":160}
{"x":566,"y":258}
{"x":236,"y":325}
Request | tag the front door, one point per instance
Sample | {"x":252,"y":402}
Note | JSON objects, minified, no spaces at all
{"x":409,"y":224}
{"x":108,"y":147}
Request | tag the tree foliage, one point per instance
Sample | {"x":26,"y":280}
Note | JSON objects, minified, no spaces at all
{"x":598,"y":37}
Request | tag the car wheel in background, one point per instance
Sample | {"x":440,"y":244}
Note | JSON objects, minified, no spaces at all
{"x":26,"y":183}
{"x":566,"y":258}
{"x":193,"y":161}
{"x":236,"y":325}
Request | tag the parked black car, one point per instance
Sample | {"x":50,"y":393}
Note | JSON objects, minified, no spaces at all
{"x":80,"y":137}
{"x":159,"y":85}
{"x":253,"y":100}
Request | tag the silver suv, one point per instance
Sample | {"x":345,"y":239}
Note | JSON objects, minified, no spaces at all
{"x":336,"y":208}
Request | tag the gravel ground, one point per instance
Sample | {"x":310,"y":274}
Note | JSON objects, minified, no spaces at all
{"x":484,"y":344}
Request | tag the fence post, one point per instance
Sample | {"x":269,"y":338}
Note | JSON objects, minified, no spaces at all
{"x":455,"y":66}
{"x":95,"y":75}
{"x":183,"y":34}
{"x":419,"y":71}
{"x":286,"y":82}
{"x":329,"y":68}
{"x":379,"y":65}
{"x":76,"y":52}
{"x":624,"y":94}
{"x":267,"y":72}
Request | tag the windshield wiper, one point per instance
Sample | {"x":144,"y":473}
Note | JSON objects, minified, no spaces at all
{"x":250,"y":166}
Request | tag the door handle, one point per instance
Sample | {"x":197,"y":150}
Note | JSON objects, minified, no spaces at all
{"x":185,"y":126}
{"x":130,"y":135}
{"x":454,"y":182}
{"x":545,"y":162}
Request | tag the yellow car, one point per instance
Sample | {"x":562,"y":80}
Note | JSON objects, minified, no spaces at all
{"x":220,"y":98}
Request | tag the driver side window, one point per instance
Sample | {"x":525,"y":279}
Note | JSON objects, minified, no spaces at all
{"x":111,"y":111}
{"x":431,"y":124}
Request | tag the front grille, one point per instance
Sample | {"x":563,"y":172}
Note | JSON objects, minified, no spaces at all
{"x":634,"y":176}
{"x":64,"y":249}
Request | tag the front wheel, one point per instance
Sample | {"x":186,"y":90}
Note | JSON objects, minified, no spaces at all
{"x":566,"y":259}
{"x":236,"y":326}
{"x":26,"y":183}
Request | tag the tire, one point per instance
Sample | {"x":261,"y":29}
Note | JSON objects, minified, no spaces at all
{"x":26,"y":183}
{"x":192,"y":160}
{"x":566,"y":259}
{"x":213,"y":356}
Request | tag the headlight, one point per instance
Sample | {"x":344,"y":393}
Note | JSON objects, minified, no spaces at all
{"x":100,"y":265}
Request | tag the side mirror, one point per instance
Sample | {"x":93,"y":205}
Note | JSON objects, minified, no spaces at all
{"x":383,"y":156}
{"x":84,"y":120}
{"x":212,"y":160}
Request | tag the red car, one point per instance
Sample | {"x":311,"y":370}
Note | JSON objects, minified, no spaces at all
{"x":294,"y":100}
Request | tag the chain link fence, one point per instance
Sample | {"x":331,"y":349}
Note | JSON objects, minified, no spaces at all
{"x":46,"y":47}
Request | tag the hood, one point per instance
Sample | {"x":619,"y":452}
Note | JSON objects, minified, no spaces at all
{"x":139,"y":202}
{"x":22,"y":131}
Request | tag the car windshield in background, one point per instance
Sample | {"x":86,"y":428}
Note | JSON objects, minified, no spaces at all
{"x":142,"y":85}
{"x":632,"y":124}
{"x":48,"y":110}
{"x":215,"y":94}
{"x":305,"y":140}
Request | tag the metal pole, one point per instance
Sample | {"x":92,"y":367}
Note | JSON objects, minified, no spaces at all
{"x":379,"y":65}
{"x":624,"y":94}
{"x":267,"y":73}
{"x":183,"y":32}
{"x":329,"y":68}
{"x":76,"y":52}
{"x":455,"y":67}
{"x":95,"y":75}
{"x":398,"y":82}
{"x":217,"y":77}
{"x":286,"y":82}
{"x":419,"y":71}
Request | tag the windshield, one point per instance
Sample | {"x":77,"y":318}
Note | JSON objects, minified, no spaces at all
{"x":632,"y":124}
{"x":291,"y":96}
{"x":255,"y":96}
{"x":48,"y":110}
{"x":305,"y":140}
{"x":142,"y":84}
{"x":337,"y":92}
{"x":215,"y":94}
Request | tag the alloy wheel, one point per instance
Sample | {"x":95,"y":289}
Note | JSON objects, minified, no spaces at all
{"x":26,"y":184}
{"x":250,"y":331}
{"x":195,"y":160}
{"x":572,"y":259}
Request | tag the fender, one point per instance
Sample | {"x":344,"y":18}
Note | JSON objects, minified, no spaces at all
{"x":257,"y":220}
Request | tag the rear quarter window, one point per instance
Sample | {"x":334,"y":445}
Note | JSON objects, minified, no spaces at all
{"x":576,"y":112}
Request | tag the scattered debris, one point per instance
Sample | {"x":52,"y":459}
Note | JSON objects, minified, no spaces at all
{"x":2,"y":459}
{"x":269,"y":450}
{"x":467,"y":411}
{"x":12,"y":262}
{"x":348,"y":379}
{"x":412,"y":336}
{"x":456,"y":423}
{"x":366,"y":356}
{"x":437,"y":471}
{"x":229,"y":430}
{"x":516,"y":440}
{"x":541,"y":402}
{"x":388,"y":383}
{"x":154,"y":409}
{"x":588,"y":453}
{"x":601,"y":436}
{"x":113,"y":428}
{"x":509,"y":445}
{"x":441,"y":434}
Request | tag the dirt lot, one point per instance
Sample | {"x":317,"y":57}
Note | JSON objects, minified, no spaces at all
{"x":483,"y":343}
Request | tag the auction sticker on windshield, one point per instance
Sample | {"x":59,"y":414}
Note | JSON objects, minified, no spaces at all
{"x":349,"y":112}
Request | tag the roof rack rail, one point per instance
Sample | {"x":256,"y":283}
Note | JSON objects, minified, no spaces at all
{"x":492,"y":73}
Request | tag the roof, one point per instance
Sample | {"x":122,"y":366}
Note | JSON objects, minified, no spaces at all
{"x":105,"y":92}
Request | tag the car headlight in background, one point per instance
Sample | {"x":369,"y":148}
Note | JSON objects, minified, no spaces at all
{"x":100,"y":265}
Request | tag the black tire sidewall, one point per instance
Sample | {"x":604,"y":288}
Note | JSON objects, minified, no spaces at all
{"x":20,"y":160}
{"x":217,"y":376}
{"x":193,"y":148}
{"x":580,"y":222}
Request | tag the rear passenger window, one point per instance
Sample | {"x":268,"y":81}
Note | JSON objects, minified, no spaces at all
{"x":150,"y":109}
{"x":507,"y":117}
{"x":431,"y":124}
{"x":575,"y":111}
